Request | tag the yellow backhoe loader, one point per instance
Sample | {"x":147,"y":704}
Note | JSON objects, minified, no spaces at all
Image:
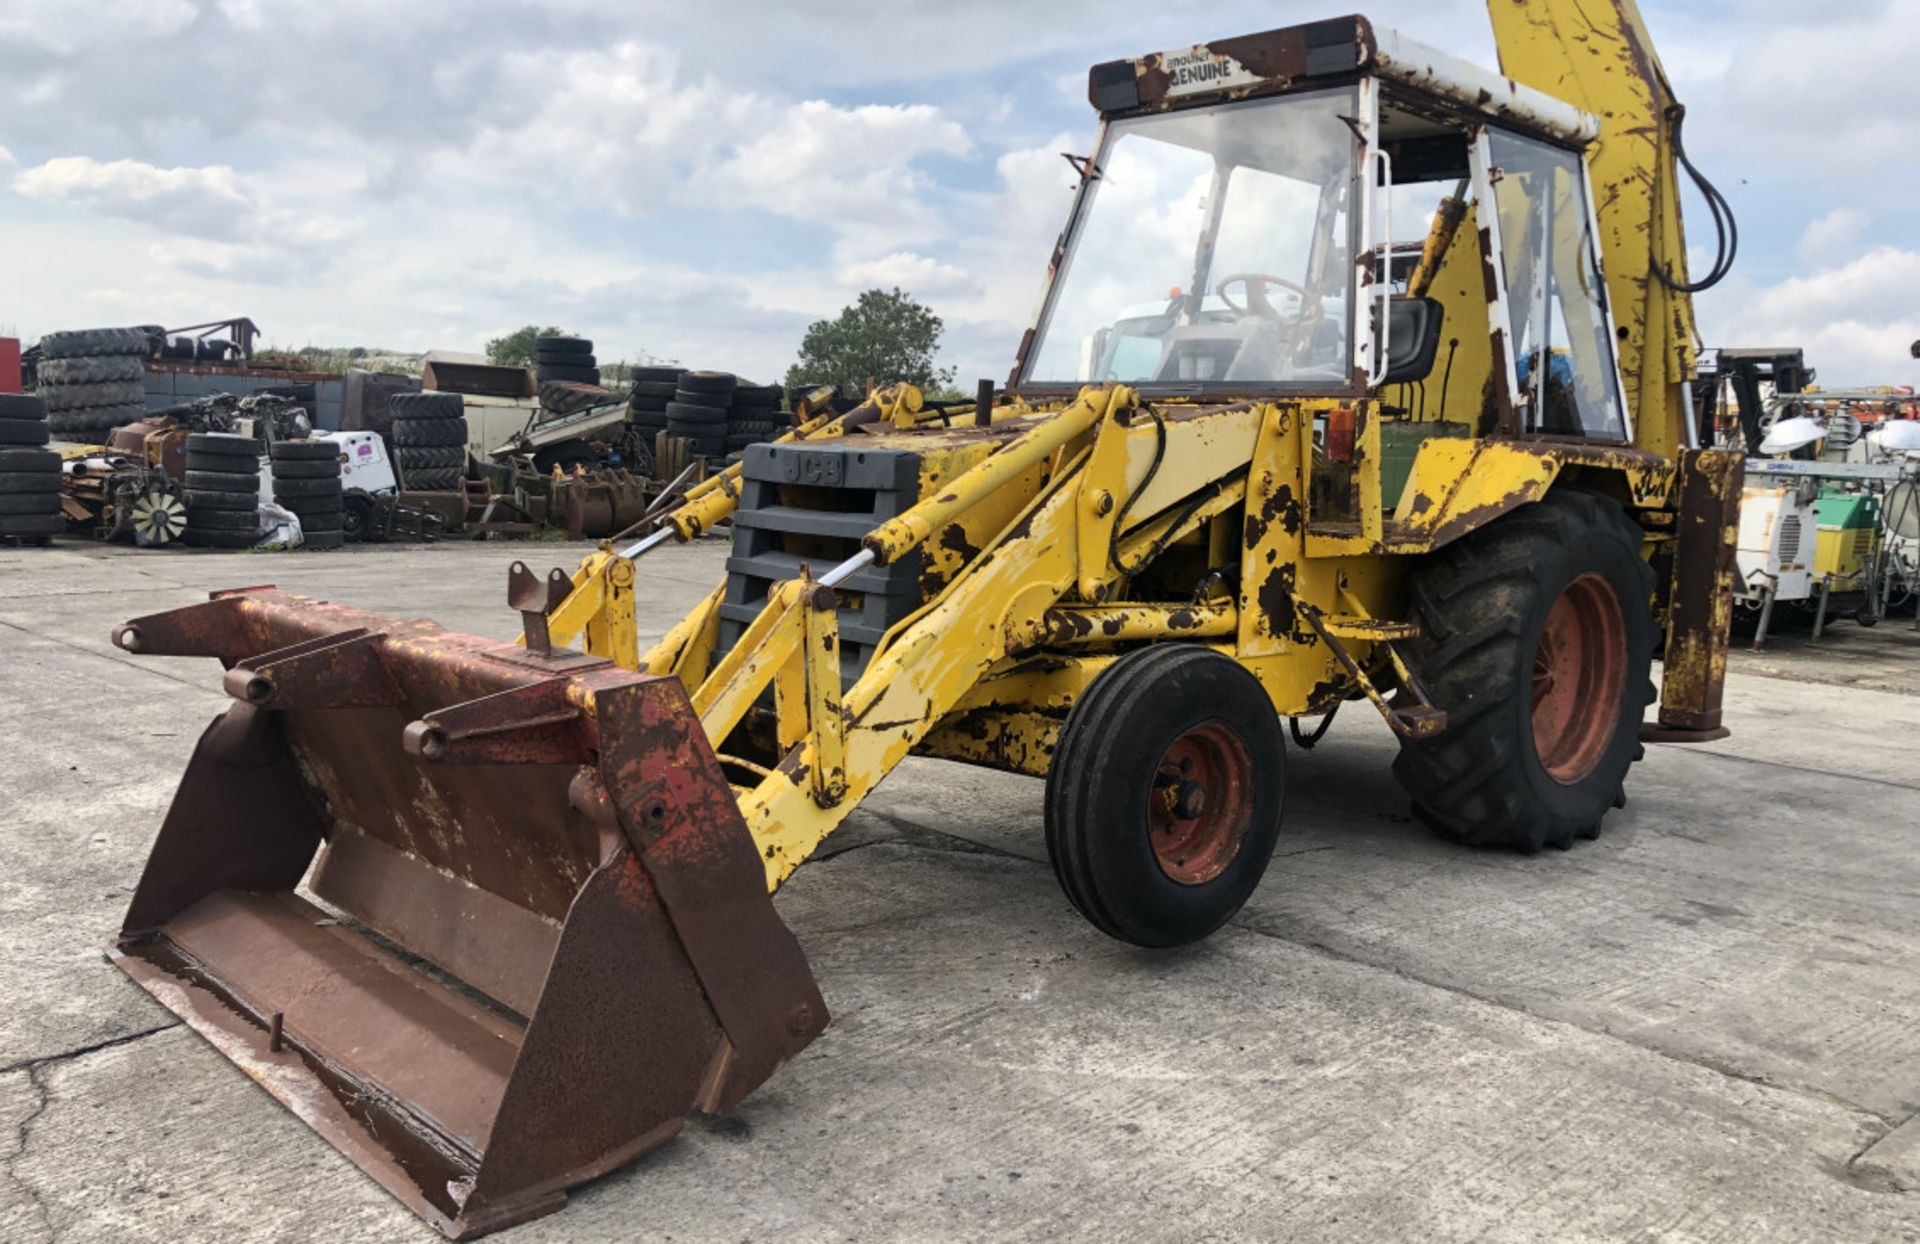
{"x":1361,"y":374}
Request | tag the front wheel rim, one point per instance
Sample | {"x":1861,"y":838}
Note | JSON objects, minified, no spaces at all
{"x":1200,"y":804}
{"x":1579,"y":679}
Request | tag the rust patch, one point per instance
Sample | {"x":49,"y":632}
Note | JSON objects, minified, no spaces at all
{"x":1326,"y":695}
{"x":1276,"y":600}
{"x":955,"y":538}
{"x":1283,"y":505}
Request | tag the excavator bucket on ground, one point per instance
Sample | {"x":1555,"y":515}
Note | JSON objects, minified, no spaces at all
{"x":538,"y":933}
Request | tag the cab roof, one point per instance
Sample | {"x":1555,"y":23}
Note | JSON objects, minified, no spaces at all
{"x":1324,"y":53}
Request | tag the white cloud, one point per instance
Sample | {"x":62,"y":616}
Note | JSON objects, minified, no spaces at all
{"x":635,"y":126}
{"x":61,"y":26}
{"x":1833,"y":236}
{"x":215,"y":221}
{"x":852,"y":169}
{"x":1855,"y":319}
{"x":916,"y":274}
{"x":198,"y":201}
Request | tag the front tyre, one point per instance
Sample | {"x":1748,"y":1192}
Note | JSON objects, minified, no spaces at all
{"x":1164,"y":796}
{"x":1537,"y":636}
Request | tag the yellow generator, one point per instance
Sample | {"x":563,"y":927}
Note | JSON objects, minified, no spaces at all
{"x":1361,"y":376}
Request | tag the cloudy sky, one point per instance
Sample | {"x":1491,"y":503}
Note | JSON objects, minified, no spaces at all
{"x":698,"y":181}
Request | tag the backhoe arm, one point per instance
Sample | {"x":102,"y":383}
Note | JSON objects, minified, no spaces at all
{"x":1597,"y":55}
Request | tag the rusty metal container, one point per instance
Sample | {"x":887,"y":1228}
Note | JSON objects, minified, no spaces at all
{"x":598,"y":504}
{"x":486,"y":917}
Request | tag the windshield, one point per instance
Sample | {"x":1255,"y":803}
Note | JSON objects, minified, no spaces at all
{"x":1212,"y":247}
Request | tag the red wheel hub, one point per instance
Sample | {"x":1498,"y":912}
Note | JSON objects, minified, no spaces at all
{"x":1579,"y":677}
{"x":1201,"y":803}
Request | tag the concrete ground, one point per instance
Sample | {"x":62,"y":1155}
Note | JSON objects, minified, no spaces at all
{"x":1704,"y":1026}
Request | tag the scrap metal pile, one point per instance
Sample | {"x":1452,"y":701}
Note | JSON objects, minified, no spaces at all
{"x":192,"y":473}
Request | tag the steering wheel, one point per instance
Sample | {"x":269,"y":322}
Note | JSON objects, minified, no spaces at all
{"x":1257,"y":304}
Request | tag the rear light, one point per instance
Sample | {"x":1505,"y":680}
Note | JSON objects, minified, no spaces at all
{"x":1340,"y":424}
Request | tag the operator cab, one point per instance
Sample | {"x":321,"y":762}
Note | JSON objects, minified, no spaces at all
{"x":1334,"y":212}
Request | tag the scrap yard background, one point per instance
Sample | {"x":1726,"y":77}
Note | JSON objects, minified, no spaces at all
{"x":1702,"y":1025}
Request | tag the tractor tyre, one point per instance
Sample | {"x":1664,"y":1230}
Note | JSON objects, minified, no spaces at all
{"x":284,"y":452}
{"x":24,"y":433}
{"x":1164,"y":795}
{"x":23,"y":407}
{"x":1537,"y":636}
{"x":207,"y":499}
{"x":406,"y":406}
{"x":301,"y":468}
{"x":94,"y":342}
{"x":105,"y":369}
{"x":61,"y":398}
{"x":561,"y":373}
{"x":222,"y":481}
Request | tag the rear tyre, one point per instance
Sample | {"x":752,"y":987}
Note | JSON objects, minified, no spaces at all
{"x":31,"y":526}
{"x":430,"y":434}
{"x":25,"y":433}
{"x":61,"y":398}
{"x":222,"y":481}
{"x":559,"y":373}
{"x":107,"y":369}
{"x":86,"y":342}
{"x":1164,"y":796}
{"x":1537,"y":639}
{"x":285,"y":452}
{"x":430,"y":481}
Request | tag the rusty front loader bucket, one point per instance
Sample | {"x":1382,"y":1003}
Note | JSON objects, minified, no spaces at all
{"x":543,"y":935}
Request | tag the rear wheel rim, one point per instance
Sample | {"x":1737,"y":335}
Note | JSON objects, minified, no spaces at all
{"x":1579,"y":677}
{"x":1200,"y":804}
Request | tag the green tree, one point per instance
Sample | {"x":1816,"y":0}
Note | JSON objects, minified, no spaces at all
{"x":885,"y":336}
{"x":516,"y":348}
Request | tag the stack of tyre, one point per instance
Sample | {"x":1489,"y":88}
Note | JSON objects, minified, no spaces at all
{"x":654,"y":389}
{"x":755,"y":416}
{"x":429,"y":436}
{"x":306,"y":480}
{"x":222,"y":491}
{"x":701,"y":407}
{"x":93,"y":380}
{"x":567,"y":360}
{"x":29,"y":474}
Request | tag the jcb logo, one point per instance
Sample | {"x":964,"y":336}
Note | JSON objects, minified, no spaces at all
{"x":818,"y":469}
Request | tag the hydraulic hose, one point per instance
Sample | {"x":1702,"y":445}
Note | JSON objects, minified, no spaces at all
{"x":1726,"y":228}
